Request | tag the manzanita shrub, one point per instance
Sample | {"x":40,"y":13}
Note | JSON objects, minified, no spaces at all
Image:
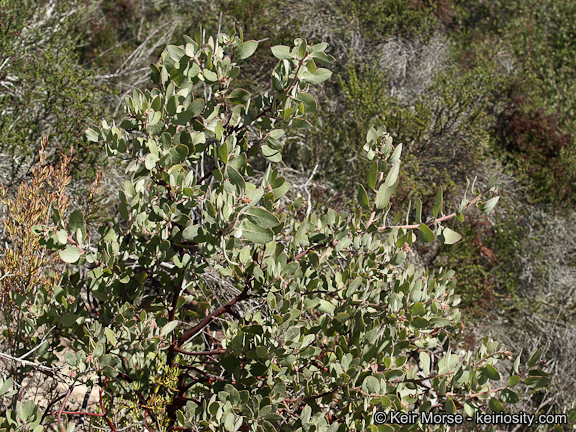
{"x":210,"y":303}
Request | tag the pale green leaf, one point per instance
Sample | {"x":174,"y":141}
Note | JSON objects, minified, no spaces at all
{"x":70,"y":255}
{"x":92,"y":135}
{"x":489,"y":205}
{"x":256,"y":234}
{"x":261,"y":217}
{"x":447,"y":236}
{"x":383,"y":197}
{"x":317,"y":77}
{"x":282,"y":52}
{"x":425,"y":362}
{"x":393,"y":174}
{"x":271,"y":154}
{"x":168,"y":328}
{"x":246,"y":49}
{"x":493,"y":180}
{"x":110,"y":336}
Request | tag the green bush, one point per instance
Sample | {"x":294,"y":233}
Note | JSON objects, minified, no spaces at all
{"x":207,"y":304}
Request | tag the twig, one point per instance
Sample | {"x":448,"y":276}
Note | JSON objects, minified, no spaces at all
{"x":309,"y":209}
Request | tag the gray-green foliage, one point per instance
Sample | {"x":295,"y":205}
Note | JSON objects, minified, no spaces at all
{"x":321,"y":320}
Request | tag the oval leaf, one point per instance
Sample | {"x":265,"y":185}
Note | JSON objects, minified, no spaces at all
{"x":246,"y":49}
{"x":425,"y":234}
{"x":495,"y":405}
{"x":308,"y":101}
{"x":450,"y":237}
{"x":256,"y":234}
{"x":169,"y":327}
{"x":261,"y":217}
{"x":70,"y":255}
{"x":383,"y":197}
{"x":492,"y":373}
{"x":488,"y":205}
{"x":362,"y":196}
{"x":282,"y":52}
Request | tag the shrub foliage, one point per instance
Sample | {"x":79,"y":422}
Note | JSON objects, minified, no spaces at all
{"x":207,"y":304}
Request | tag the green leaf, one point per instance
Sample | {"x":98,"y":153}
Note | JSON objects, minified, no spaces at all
{"x":308,"y":101}
{"x":516,"y":365}
{"x":439,"y":199}
{"x":282,"y":52}
{"x":193,"y":110}
{"x":425,"y":234}
{"x":418,"y":208}
{"x":418,"y":309}
{"x":372,"y":175}
{"x":246,"y":49}
{"x":256,"y":234}
{"x":488,"y":205}
{"x":271,"y":154}
{"x":92,"y":135}
{"x":447,"y":236}
{"x":223,"y":153}
{"x":371,"y":135}
{"x":322,"y":58}
{"x":326,"y":307}
{"x":6,"y":386}
{"x":273,"y":143}
{"x":110,"y":336}
{"x":398,"y":258}
{"x":70,"y":255}
{"x":261,"y":217}
{"x":317,"y":77}
{"x":372,"y":385}
{"x":492,"y":373}
{"x":396,"y":154}
{"x":362,"y":196}
{"x":420,"y":323}
{"x":175,"y":52}
{"x":383,"y":196}
{"x":177,"y":154}
{"x":393,"y":174}
{"x":534,"y":358}
{"x":68,"y":319}
{"x":425,"y":362}
{"x":449,"y":405}
{"x":168,"y":328}
{"x":514,"y":379}
{"x":509,"y":396}
{"x":192,"y":233}
{"x":469,"y":409}
{"x":537,"y":381}
{"x":236,"y":179}
{"x":495,"y":405}
{"x":493,"y":180}
{"x":302,"y":124}
{"x":239,"y":96}
{"x":70,"y":359}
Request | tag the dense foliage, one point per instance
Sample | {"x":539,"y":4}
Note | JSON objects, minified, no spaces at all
{"x":468,"y":88}
{"x":329,"y":324}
